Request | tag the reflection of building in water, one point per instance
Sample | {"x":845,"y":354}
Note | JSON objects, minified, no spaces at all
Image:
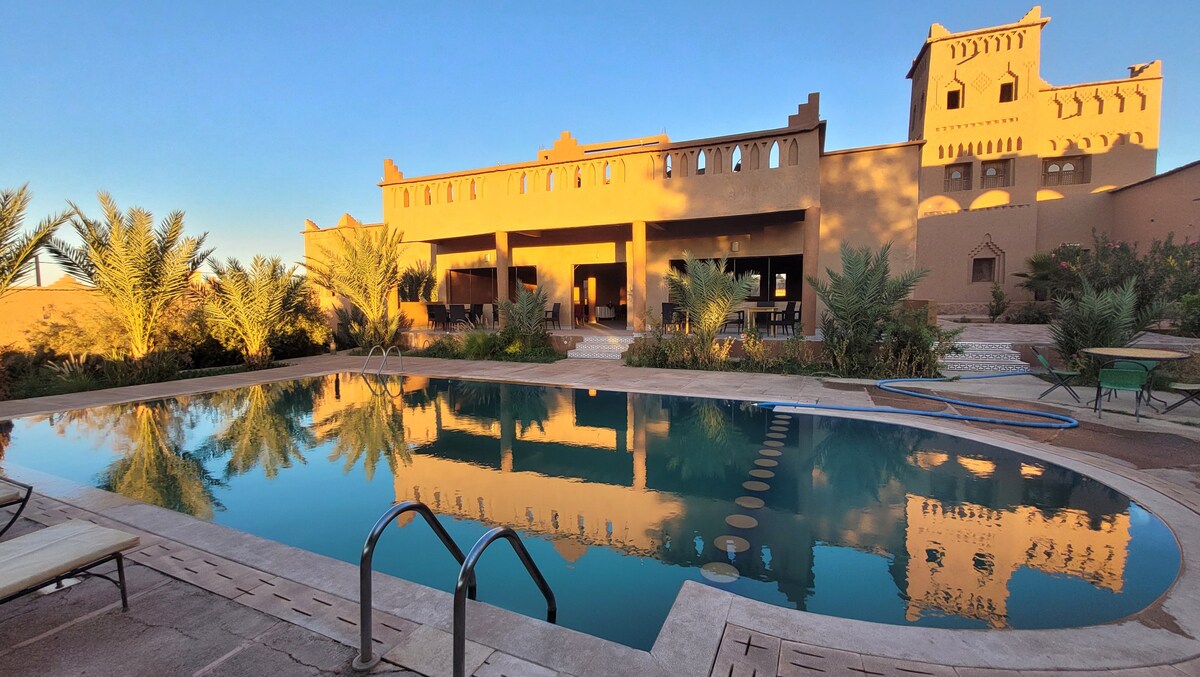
{"x":656,"y":477}
{"x":961,"y":555}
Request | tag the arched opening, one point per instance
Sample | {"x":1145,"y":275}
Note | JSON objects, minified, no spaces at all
{"x":524,"y":183}
{"x":668,"y":167}
{"x":474,"y":192}
{"x":450,"y":192}
{"x":701,"y":163}
{"x":428,"y":195}
{"x":607,"y":173}
{"x":406,"y":197}
{"x":773,"y":156}
{"x":578,"y":178}
{"x":793,"y":153}
{"x":718,"y":166}
{"x":1018,"y":144}
{"x":550,"y":180}
{"x":736,"y":158}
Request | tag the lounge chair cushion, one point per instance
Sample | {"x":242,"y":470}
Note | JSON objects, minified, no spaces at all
{"x":1186,"y":387}
{"x":10,"y":494}
{"x":43,"y":555}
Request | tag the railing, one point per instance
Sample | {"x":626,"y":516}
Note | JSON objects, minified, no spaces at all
{"x":382,"y":365}
{"x":466,"y":588}
{"x":366,"y":660}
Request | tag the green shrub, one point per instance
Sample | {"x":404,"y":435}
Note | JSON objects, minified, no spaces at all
{"x":478,"y":343}
{"x":860,"y":302}
{"x":524,"y":326}
{"x":417,"y":282}
{"x":1029,"y":313}
{"x":912,"y":347}
{"x":999,"y":303}
{"x":1189,"y":315}
{"x":1111,"y":318}
{"x":707,"y":294}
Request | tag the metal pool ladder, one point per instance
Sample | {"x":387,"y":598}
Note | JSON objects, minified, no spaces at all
{"x":382,"y":365}
{"x":366,"y":660}
{"x":464,"y":587}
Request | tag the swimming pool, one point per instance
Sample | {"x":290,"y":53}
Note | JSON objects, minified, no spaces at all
{"x":622,"y":497}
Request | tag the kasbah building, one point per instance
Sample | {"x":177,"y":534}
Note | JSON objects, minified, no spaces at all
{"x":999,"y":165}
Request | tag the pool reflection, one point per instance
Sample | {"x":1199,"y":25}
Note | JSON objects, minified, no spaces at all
{"x":831,"y":515}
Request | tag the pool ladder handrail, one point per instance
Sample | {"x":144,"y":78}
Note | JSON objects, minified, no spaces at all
{"x":465,"y":587}
{"x":366,"y":660}
{"x":382,"y":365}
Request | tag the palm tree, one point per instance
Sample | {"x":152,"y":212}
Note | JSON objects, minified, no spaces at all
{"x":364,"y":270}
{"x":17,"y":251}
{"x":254,"y":304}
{"x":860,"y":301}
{"x":707,"y":294}
{"x":142,"y":270}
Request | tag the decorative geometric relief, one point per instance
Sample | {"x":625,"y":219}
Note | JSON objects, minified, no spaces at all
{"x":981,"y":82}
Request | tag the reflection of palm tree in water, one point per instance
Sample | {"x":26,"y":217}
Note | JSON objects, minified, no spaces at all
{"x":526,"y":404}
{"x":155,"y":468}
{"x":703,"y":446}
{"x":265,"y":426}
{"x":6,"y":428}
{"x":860,"y":458}
{"x":367,"y":431}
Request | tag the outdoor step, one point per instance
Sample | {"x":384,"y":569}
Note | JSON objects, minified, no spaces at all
{"x":984,"y":356}
{"x":989,"y":355}
{"x":958,"y":363}
{"x":597,"y":353}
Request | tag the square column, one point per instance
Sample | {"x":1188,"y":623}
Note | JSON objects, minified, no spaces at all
{"x":636,"y":294}
{"x":812,"y":268}
{"x":503,"y":257}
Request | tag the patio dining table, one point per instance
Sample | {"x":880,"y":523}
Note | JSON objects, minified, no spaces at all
{"x":1139,"y":355}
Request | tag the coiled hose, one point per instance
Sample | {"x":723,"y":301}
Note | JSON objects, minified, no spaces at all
{"x":1056,"y":421}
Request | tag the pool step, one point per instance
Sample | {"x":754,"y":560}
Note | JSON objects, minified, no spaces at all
{"x":984,"y":357}
{"x":601,"y":348}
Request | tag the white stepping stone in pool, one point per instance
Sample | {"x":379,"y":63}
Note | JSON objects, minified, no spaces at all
{"x":741,"y":521}
{"x":755,"y":485}
{"x":720,"y":572}
{"x":732,"y":544}
{"x":749,"y":502}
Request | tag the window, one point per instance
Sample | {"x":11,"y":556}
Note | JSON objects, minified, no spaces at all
{"x":958,"y":177}
{"x":997,"y":174}
{"x":983,"y":269}
{"x":1066,"y":171}
{"x":1008,"y":92}
{"x":954,"y":99}
{"x":780,"y":285}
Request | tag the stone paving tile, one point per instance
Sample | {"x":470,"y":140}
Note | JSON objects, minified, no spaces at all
{"x":327,"y":614}
{"x":805,"y":659}
{"x":215,"y":574}
{"x":174,"y":629}
{"x":500,"y":664}
{"x":745,"y":653}
{"x":285,"y":650}
{"x":429,"y":651}
{"x":890,"y":667}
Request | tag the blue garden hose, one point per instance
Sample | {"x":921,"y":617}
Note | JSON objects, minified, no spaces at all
{"x":1057,"y":421}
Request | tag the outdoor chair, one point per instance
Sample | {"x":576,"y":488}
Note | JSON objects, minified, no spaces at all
{"x":1190,"y":390}
{"x":1149,"y":366}
{"x":15,"y":493}
{"x":1062,"y":377}
{"x":458,"y":316}
{"x":496,"y":314}
{"x":437,"y":316}
{"x":737,"y":318}
{"x":670,"y":317}
{"x":1114,"y":380}
{"x":552,"y":316}
{"x":785,"y":319}
{"x":50,"y":556}
{"x":475,"y":313}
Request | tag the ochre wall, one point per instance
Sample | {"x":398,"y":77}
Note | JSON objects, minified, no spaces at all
{"x":1152,"y":210}
{"x":24,"y":307}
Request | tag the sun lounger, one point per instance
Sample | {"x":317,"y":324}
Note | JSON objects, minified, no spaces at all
{"x":54,"y":554}
{"x":13,"y":493}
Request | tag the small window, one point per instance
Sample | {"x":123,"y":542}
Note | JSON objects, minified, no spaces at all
{"x":983,"y":270}
{"x":997,"y":174}
{"x":780,"y":285}
{"x":954,"y":99}
{"x":958,"y":177}
{"x":1067,"y":171}
{"x":1008,"y":92}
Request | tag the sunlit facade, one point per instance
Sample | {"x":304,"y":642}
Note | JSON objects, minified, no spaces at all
{"x":999,"y":164}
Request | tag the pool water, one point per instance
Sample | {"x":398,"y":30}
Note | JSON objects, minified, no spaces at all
{"x":621,"y":497}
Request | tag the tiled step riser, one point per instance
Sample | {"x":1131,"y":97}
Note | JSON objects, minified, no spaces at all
{"x":601,"y":348}
{"x":984,"y":357}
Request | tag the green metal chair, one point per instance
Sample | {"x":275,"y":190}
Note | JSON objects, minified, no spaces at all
{"x":1062,"y":376}
{"x":1149,"y":366}
{"x":1113,"y":380}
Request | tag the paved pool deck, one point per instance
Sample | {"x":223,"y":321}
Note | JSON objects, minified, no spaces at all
{"x":212,"y":600}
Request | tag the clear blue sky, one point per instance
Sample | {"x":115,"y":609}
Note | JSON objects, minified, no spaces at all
{"x":254,"y":116}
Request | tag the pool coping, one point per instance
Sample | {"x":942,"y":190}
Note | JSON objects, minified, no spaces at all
{"x":691,"y":635}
